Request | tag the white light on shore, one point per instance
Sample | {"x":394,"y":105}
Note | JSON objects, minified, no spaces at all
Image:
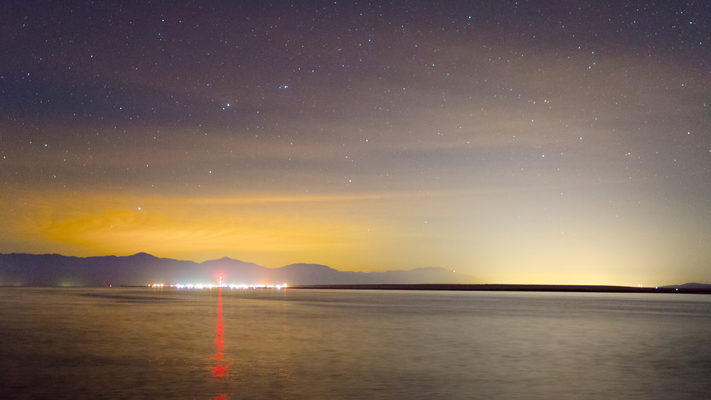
{"x":231,"y":286}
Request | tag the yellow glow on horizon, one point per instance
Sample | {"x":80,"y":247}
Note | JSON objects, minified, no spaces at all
{"x":185,"y":226}
{"x":489,"y":240}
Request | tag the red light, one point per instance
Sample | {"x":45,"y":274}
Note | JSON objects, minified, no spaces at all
{"x":220,"y":369}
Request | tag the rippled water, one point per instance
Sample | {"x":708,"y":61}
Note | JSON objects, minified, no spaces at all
{"x":144,"y":343}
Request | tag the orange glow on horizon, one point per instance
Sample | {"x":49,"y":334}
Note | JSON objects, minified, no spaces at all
{"x":496,"y":242}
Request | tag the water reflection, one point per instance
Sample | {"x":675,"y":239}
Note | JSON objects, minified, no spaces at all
{"x":221,"y":368}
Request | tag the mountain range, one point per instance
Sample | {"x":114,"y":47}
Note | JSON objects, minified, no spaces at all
{"x":142,"y":268}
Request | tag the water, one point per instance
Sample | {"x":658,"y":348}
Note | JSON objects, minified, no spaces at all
{"x":308,"y":344}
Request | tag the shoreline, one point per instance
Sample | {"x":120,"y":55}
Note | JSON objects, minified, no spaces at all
{"x":509,"y":288}
{"x":444,"y":287}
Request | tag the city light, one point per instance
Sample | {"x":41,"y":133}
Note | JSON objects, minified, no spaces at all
{"x":231,"y":286}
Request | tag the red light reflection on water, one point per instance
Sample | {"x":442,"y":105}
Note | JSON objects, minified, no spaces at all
{"x":221,"y":368}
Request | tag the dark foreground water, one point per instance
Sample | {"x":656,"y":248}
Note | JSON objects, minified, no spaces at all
{"x":299,"y":344}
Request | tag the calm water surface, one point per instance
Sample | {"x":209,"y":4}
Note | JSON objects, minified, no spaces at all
{"x":308,"y":344}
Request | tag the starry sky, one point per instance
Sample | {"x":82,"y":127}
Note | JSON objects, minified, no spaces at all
{"x":514,"y":141}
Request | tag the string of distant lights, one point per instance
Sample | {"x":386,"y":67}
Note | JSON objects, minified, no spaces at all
{"x":201,"y":286}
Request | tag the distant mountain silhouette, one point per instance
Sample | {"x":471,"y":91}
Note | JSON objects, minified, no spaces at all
{"x":691,"y":285}
{"x":143,"y":268}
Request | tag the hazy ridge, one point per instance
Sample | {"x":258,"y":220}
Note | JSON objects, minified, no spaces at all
{"x":142,"y":268}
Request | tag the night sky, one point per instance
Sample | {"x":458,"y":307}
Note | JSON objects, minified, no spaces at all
{"x":515,"y":141}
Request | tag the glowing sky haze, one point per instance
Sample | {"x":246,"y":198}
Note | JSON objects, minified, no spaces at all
{"x":514,"y":141}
